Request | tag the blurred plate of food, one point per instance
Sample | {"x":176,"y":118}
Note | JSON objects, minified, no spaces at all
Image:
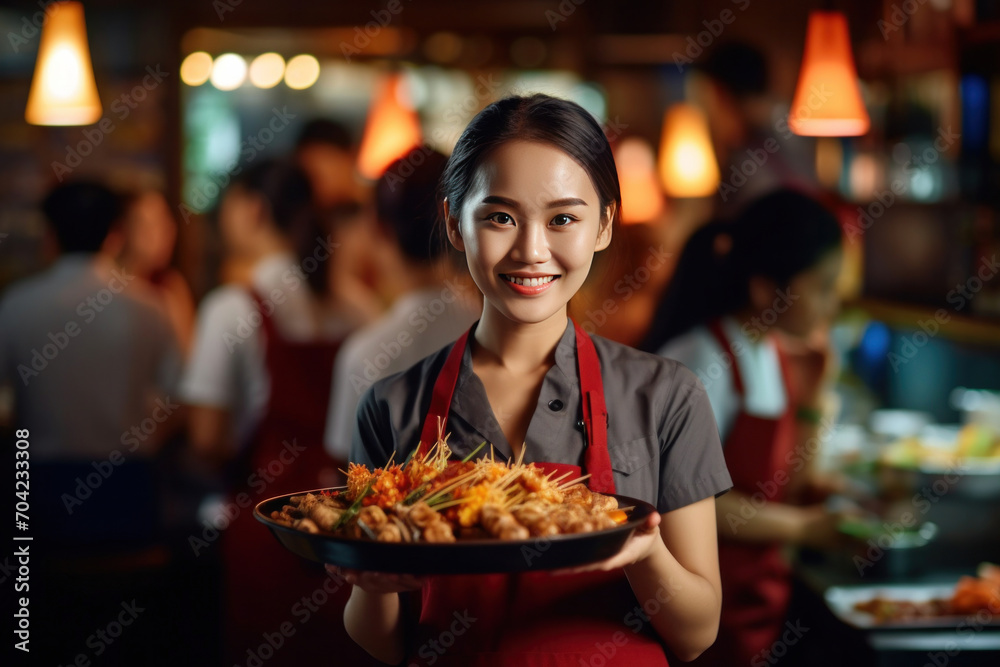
{"x":915,"y":606}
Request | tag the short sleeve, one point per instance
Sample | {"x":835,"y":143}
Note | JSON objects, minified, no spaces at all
{"x":371,"y":442}
{"x":692,"y":463}
{"x":212,"y":371}
{"x":345,"y":387}
{"x":700,"y":352}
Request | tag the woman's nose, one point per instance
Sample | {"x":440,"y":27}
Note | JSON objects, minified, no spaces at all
{"x":532,"y":245}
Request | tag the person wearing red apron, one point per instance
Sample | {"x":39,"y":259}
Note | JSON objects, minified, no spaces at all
{"x":755,"y":576}
{"x":264,"y":585}
{"x":530,"y":193}
{"x":535,"y":617}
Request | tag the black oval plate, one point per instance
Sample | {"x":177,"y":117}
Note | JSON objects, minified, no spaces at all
{"x":473,"y":556}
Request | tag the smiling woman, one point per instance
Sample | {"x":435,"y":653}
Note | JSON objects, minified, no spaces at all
{"x":530,"y":194}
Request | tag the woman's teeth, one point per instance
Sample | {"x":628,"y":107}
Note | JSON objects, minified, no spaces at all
{"x":529,"y":282}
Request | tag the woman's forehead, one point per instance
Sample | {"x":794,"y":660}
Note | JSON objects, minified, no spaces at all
{"x":531,"y":172}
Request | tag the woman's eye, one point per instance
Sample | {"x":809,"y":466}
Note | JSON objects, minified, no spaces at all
{"x":501,"y":218}
{"x":561,"y":220}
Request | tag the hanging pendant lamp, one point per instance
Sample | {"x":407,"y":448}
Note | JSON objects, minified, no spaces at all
{"x":63,"y":91}
{"x":392,"y":129}
{"x":827,"y":99}
{"x":642,"y":197}
{"x":687,"y":162}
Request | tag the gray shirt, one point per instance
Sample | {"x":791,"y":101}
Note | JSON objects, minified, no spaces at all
{"x":662,"y":439}
{"x":88,"y":363}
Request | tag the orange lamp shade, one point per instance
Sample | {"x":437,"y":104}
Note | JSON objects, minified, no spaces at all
{"x":827,"y":99}
{"x":392,"y":129}
{"x":642,"y":198}
{"x":687,"y":162}
{"x":63,"y":91}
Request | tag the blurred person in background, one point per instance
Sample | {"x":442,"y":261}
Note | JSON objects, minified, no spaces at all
{"x":150,"y":235}
{"x":751,"y":299}
{"x":327,"y":154}
{"x":732,"y":85}
{"x":93,"y":371}
{"x":434,"y":306}
{"x":258,"y":384}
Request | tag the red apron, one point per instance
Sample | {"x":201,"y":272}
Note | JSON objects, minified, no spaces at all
{"x":266,"y":586}
{"x":755,"y":577}
{"x":535,"y":618}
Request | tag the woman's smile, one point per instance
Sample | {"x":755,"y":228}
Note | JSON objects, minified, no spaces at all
{"x":528,"y":285}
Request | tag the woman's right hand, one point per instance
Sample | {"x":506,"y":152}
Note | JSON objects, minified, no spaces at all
{"x":378,"y":582}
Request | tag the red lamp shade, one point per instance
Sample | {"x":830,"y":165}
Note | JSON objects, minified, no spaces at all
{"x":392,"y":129}
{"x":827,"y":99}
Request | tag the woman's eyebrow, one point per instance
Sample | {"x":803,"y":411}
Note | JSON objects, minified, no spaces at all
{"x":558,"y":203}
{"x":568,"y":201}
{"x":503,"y":201}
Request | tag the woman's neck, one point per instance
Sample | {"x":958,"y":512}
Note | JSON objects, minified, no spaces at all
{"x":517,"y":346}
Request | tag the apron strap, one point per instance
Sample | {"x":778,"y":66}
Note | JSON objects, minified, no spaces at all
{"x":444,"y":389}
{"x":595,"y":413}
{"x":715,"y":328}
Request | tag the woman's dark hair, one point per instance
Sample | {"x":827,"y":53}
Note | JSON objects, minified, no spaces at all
{"x":777,"y":236}
{"x":542,"y":118}
{"x":286,"y":189}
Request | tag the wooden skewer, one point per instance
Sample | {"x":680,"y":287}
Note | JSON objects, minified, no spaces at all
{"x":572,"y":482}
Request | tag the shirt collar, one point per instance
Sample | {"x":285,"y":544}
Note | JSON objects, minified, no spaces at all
{"x":471,"y":403}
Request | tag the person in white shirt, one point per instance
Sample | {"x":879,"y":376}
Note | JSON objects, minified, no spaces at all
{"x":258,"y":385}
{"x":748,"y":297}
{"x":435,"y":305}
{"x":267,"y":221}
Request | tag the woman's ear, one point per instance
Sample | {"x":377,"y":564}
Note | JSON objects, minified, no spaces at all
{"x":606,"y":225}
{"x":452,"y":226}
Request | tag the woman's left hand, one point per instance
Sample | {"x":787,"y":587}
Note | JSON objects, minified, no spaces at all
{"x":641,"y":544}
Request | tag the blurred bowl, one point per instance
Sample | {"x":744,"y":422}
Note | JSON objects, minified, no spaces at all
{"x":885,"y":552}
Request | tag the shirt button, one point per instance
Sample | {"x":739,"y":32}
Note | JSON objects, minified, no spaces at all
{"x":555,"y":405}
